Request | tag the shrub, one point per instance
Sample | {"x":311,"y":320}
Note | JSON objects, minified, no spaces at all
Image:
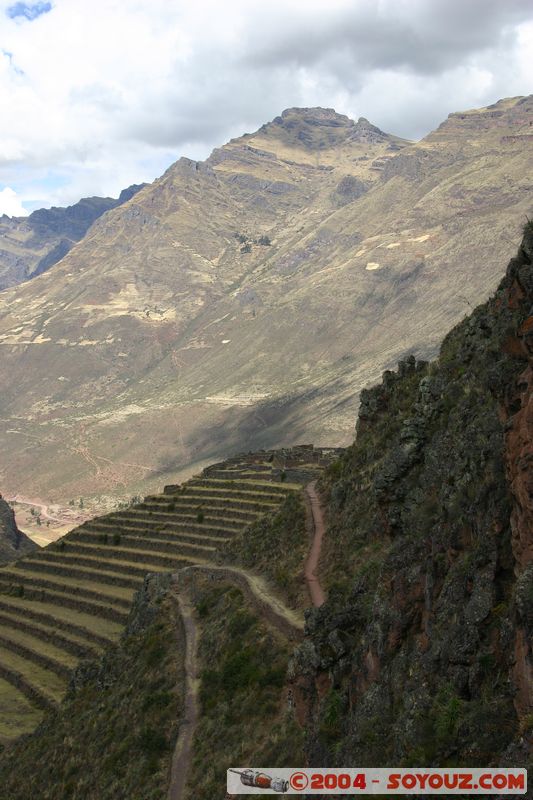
{"x":152,"y":741}
{"x":157,"y":700}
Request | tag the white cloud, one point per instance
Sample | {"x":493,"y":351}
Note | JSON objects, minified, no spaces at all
{"x":10,"y":204}
{"x":103,"y":93}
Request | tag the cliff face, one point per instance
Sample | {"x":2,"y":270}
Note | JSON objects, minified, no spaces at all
{"x":519,"y":460}
{"x":423,"y":652}
{"x":13,"y":543}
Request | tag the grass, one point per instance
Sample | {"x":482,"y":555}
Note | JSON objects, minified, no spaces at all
{"x":189,"y":501}
{"x":18,"y":716}
{"x":168,"y":526}
{"x":67,"y":641}
{"x":30,"y":642}
{"x":136,"y":558}
{"x":82,"y":624}
{"x":164,"y":541}
{"x":44,"y":680}
{"x":107,"y":593}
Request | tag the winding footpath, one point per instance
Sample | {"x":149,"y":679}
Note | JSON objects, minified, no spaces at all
{"x":289,"y":622}
{"x":316,"y":593}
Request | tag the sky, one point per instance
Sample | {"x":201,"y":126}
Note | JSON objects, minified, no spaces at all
{"x":98,"y":94}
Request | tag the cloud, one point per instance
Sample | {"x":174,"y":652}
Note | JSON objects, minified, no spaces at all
{"x":10,"y":204}
{"x":27,"y":11}
{"x":417,"y":36}
{"x":103,"y":93}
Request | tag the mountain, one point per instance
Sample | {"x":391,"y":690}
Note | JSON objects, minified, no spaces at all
{"x":31,"y":245}
{"x":244,"y":301}
{"x":13,"y":543}
{"x":421,"y":654}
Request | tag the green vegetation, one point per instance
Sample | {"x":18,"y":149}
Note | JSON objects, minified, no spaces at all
{"x":245,"y":717}
{"x":276,"y":546}
{"x":331,"y":718}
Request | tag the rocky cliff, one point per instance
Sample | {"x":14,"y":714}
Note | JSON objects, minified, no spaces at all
{"x":13,"y":543}
{"x":244,"y":301}
{"x":422,"y":654}
{"x":31,"y":245}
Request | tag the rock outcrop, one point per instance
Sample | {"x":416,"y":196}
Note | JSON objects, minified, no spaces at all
{"x":13,"y":543}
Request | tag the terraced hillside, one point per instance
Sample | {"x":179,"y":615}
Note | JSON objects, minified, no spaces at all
{"x":72,"y":598}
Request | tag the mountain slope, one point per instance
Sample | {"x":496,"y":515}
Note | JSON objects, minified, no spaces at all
{"x":31,"y":245}
{"x":244,"y":301}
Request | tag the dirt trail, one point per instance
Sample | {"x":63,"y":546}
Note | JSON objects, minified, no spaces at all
{"x":257,"y":592}
{"x":270,"y":608}
{"x":316,"y":592}
{"x":182,"y":753}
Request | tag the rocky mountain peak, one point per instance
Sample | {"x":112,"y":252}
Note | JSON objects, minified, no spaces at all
{"x":310,"y":128}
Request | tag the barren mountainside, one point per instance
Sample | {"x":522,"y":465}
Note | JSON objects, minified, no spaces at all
{"x":244,"y":301}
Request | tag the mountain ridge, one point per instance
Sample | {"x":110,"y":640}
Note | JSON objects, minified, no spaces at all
{"x":31,"y":245}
